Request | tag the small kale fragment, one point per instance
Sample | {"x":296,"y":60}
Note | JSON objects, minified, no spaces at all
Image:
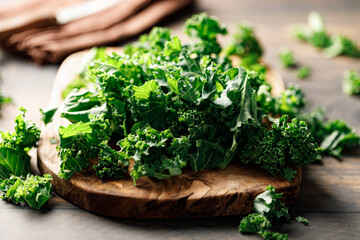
{"x":244,"y":44}
{"x":287,"y":58}
{"x":254,"y":223}
{"x":351,"y":83}
{"x":342,"y":45}
{"x":302,"y":220}
{"x":315,"y":32}
{"x":34,"y":190}
{"x":303,"y":72}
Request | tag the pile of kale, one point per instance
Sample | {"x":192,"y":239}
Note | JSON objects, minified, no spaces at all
{"x":174,"y":105}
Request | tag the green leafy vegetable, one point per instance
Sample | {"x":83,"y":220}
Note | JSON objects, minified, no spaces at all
{"x":14,"y":147}
{"x":315,"y":33}
{"x":287,"y":58}
{"x":302,"y":220}
{"x":303,"y":72}
{"x":333,"y":136}
{"x":267,"y":207}
{"x":244,"y":44}
{"x":174,"y":105}
{"x":290,"y":102}
{"x":286,"y":144}
{"x":34,"y":190}
{"x":254,"y":223}
{"x":342,"y":45}
{"x":351,"y":83}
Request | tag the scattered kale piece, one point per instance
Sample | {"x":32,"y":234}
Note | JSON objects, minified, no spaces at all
{"x":14,"y":147}
{"x":268,"y":207}
{"x":244,"y":44}
{"x":254,"y":223}
{"x":287,"y":58}
{"x":15,"y":165}
{"x":333,"y":136}
{"x":303,"y":72}
{"x":342,"y":45}
{"x":315,"y":33}
{"x":351,"y":83}
{"x":34,"y":190}
{"x":303,"y":220}
{"x":269,"y":204}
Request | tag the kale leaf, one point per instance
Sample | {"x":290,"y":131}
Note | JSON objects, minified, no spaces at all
{"x":14,"y":147}
{"x":333,"y":136}
{"x":302,"y":220}
{"x":244,"y":44}
{"x":267,"y":207}
{"x":351,"y":83}
{"x":34,"y":190}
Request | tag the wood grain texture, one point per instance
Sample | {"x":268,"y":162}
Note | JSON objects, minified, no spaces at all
{"x":207,"y":193}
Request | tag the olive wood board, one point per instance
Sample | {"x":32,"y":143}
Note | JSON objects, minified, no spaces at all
{"x":207,"y":193}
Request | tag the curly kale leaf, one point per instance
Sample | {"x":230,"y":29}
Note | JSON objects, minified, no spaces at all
{"x":267,"y":207}
{"x":284,"y":145}
{"x":302,"y":220}
{"x":351,"y":83}
{"x":14,"y":147}
{"x":78,"y":143}
{"x":244,"y":44}
{"x":204,"y":28}
{"x":34,"y":190}
{"x":290,"y":102}
{"x":254,"y":223}
{"x":269,"y":204}
{"x":112,"y":164}
{"x":333,"y":136}
{"x":151,"y":150}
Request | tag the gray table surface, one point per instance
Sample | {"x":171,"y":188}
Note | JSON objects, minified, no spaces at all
{"x":330,"y":194}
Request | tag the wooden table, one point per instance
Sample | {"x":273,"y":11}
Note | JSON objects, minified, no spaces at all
{"x":330,"y":194}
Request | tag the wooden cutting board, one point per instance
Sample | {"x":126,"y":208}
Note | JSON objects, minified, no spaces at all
{"x":208,"y":193}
